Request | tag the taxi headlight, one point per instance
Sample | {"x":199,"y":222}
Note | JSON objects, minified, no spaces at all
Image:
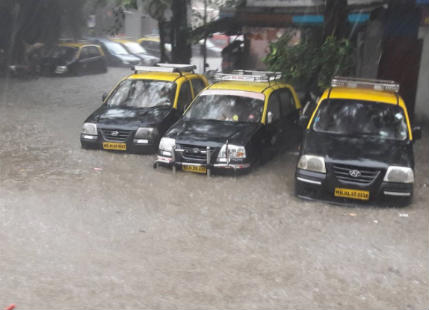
{"x":399,"y":175}
{"x":166,"y":146}
{"x":89,"y":129}
{"x":61,"y":69}
{"x":232,"y":152}
{"x":146,"y":133}
{"x":312,"y":163}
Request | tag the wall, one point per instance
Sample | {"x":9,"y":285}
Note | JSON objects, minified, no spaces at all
{"x":422,"y":101}
{"x":132,"y":25}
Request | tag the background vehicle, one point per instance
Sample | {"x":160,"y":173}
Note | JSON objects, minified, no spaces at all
{"x":245,"y":118}
{"x":358,"y":145}
{"x":74,"y":58}
{"x":141,"y":108}
{"x":152,"y":45}
{"x":137,"y":50}
{"x":116,"y":54}
{"x":212,"y":49}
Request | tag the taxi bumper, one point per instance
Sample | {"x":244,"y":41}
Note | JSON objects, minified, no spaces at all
{"x":319,"y":186}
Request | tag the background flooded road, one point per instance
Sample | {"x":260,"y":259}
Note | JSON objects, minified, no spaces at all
{"x":93,"y":229}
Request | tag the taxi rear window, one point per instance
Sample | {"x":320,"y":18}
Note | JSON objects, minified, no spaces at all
{"x":361,"y":118}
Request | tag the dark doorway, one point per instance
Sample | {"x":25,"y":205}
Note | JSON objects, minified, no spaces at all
{"x":400,"y":62}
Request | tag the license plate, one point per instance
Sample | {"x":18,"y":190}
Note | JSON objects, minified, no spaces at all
{"x":351,"y":193}
{"x":115,"y":146}
{"x":196,"y":169}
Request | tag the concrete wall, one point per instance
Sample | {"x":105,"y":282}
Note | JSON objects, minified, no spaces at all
{"x":369,"y":50}
{"x":138,"y":24}
{"x":133,"y":22}
{"x":422,"y":100}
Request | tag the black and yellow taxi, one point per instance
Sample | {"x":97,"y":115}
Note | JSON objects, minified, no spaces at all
{"x":242,"y":119}
{"x":137,"y":112}
{"x":358,"y":145}
{"x":74,"y":58}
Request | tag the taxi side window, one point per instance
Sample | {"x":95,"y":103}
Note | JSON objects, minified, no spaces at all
{"x":274,"y":106}
{"x":287,"y":102}
{"x":84,"y":53}
{"x":198,"y":86}
{"x":93,"y":51}
{"x":185,"y":96}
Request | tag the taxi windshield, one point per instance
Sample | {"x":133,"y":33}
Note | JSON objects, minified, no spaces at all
{"x":226,"y":108}
{"x":134,"y":47}
{"x":116,"y":48}
{"x":361,"y":118}
{"x":143,"y":94}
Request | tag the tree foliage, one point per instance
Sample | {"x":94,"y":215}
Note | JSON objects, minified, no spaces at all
{"x":309,"y":65}
{"x":25,"y":22}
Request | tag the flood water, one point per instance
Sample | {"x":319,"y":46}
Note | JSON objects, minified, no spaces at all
{"x":95,"y":229}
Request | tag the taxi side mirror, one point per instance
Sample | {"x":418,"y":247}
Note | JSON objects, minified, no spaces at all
{"x":417,"y":133}
{"x":103,"y":97}
{"x":269,"y":117}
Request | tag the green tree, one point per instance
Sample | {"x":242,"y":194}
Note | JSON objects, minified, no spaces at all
{"x":178,"y":26}
{"x":25,"y":22}
{"x":310,"y":64}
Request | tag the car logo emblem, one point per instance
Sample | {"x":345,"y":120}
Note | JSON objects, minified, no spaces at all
{"x":355,"y":173}
{"x":195,"y":150}
{"x":115,"y":133}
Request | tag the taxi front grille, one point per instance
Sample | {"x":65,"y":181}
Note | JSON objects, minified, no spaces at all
{"x":192,"y":152}
{"x":356,"y":175}
{"x":116,"y":134}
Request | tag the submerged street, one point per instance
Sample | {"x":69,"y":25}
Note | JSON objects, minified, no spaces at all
{"x":105,"y":230}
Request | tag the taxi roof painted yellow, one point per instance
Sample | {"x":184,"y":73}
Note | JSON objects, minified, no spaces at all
{"x":257,"y":87}
{"x":152,"y":39}
{"x":161,"y":76}
{"x":123,"y":41}
{"x":363,"y":94}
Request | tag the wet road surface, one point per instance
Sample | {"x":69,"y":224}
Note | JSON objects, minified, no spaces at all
{"x":94,"y":229}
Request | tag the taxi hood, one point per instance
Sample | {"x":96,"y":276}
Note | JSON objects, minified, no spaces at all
{"x":365,"y":150}
{"x":129,"y":117}
{"x":212,"y":132}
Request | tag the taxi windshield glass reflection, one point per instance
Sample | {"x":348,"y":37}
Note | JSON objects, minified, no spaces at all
{"x":347,"y":117}
{"x":226,"y":108}
{"x":143,"y":94}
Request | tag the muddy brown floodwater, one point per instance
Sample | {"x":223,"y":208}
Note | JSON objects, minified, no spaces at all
{"x":125,"y":236}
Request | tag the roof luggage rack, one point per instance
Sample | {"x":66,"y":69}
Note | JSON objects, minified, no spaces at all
{"x":164,"y":67}
{"x":70,"y":40}
{"x":249,"y":75}
{"x":352,"y":82}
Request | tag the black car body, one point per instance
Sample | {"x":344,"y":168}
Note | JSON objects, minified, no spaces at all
{"x":74,"y":58}
{"x":152,"y":46}
{"x":116,"y":54}
{"x":140,"y":109}
{"x":232,"y":125}
{"x":138,"y":51}
{"x":358,"y":147}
